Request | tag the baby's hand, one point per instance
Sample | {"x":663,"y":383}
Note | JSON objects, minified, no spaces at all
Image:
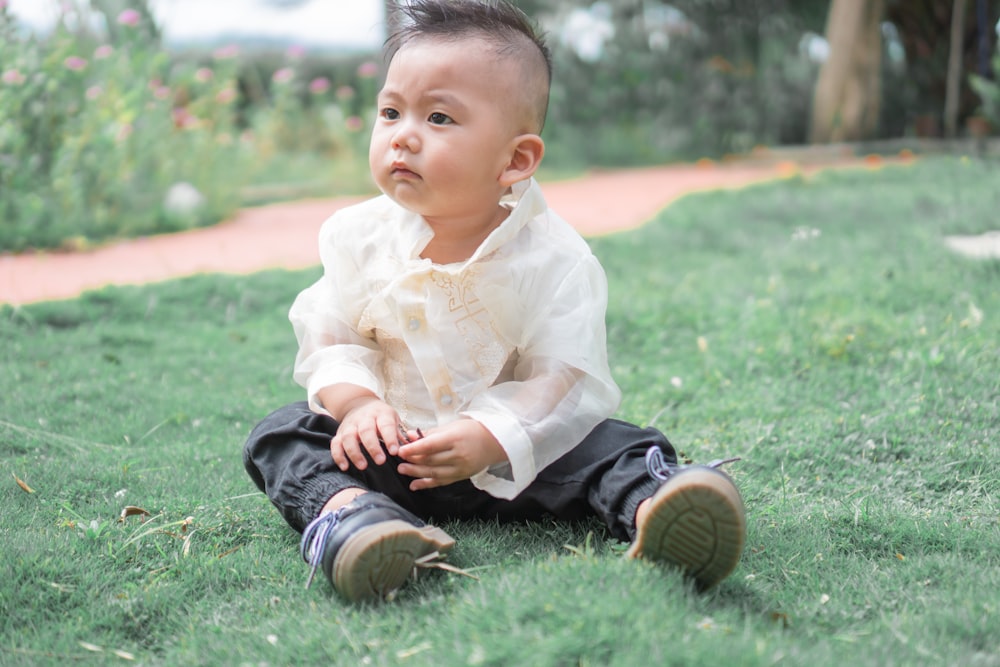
{"x":369,"y":426}
{"x":449,"y":454}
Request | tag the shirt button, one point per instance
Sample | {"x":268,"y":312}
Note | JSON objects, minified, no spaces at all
{"x":446,"y":399}
{"x":414,"y":323}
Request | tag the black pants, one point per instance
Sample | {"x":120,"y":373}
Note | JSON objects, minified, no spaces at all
{"x":288,"y":456}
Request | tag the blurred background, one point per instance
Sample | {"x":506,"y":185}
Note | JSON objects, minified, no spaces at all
{"x":127,"y":117}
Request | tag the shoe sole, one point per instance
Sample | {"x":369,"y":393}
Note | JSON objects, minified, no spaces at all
{"x":377,"y":560}
{"x":696,"y":522}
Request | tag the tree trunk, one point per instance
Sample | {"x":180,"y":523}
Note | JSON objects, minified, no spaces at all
{"x":848,"y":92}
{"x":956,"y":69}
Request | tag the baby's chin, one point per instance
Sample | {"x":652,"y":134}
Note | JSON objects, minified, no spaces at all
{"x":401,"y":200}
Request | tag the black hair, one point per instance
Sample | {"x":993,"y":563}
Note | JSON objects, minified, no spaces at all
{"x":498,"y":22}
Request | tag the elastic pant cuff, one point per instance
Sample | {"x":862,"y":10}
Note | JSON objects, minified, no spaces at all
{"x":631,"y":503}
{"x":316,"y":493}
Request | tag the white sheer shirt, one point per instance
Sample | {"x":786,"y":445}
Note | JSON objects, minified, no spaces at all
{"x":514,"y":337}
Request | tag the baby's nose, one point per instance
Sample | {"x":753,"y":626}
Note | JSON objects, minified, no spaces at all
{"x":406,"y":138}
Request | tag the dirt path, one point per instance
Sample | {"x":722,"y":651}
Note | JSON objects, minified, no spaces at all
{"x":284,"y":235}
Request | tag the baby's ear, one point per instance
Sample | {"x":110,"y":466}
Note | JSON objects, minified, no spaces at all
{"x":526,"y":154}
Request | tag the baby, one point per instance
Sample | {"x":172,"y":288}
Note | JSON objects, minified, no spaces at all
{"x":454,"y":351}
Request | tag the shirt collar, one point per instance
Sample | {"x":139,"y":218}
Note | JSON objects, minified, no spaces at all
{"x":525,"y":201}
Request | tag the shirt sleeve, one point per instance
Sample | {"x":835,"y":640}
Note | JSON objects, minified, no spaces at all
{"x":561,"y":386}
{"x":325,"y":318}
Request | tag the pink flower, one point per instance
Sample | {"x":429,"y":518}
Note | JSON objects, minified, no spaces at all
{"x":368,"y":70}
{"x":354,"y":124}
{"x":345,"y":93}
{"x":103,"y":51}
{"x":283,"y":75}
{"x":75,"y":63}
{"x":203,"y":75}
{"x":160,"y":91}
{"x":296,"y":52}
{"x":12,"y":77}
{"x":319,"y":85}
{"x":226,"y":52}
{"x":184,"y":119}
{"x":129,"y":17}
{"x":93,"y":92}
{"x":226,"y":95}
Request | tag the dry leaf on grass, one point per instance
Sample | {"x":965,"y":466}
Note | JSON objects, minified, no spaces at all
{"x":21,"y":483}
{"x":132,"y":510}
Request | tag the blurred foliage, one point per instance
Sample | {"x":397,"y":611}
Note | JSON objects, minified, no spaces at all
{"x":988,"y":90}
{"x":924,"y":28}
{"x":98,"y":122}
{"x":296,"y":101}
{"x":95,"y":133}
{"x":691,"y":78}
{"x":104,"y":134}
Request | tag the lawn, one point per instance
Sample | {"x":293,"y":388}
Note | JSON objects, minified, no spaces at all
{"x":817,"y":327}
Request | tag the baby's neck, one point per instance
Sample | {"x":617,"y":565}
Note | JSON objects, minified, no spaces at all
{"x":457,"y":242}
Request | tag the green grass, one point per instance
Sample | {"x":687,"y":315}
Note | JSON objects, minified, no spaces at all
{"x":854,"y":368}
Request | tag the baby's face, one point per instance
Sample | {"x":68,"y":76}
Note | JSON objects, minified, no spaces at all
{"x":444,"y":130}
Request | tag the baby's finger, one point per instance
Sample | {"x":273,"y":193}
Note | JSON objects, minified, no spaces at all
{"x":424,"y":483}
{"x":352,"y":448}
{"x":372,"y":444}
{"x":412,"y":435}
{"x":337,"y":452}
{"x":431,"y":481}
{"x":388,"y":436}
{"x":443,"y":474}
{"x":422,"y":450}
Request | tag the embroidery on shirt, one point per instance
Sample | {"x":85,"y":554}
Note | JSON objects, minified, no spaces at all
{"x":394,"y":373}
{"x":473,"y":322}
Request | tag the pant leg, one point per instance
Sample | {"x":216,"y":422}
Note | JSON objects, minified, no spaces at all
{"x":605,"y":475}
{"x":287,"y":455}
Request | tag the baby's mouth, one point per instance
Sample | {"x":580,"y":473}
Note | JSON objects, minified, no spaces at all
{"x":400,"y":170}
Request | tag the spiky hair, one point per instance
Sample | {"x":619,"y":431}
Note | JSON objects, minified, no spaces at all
{"x":498,"y":22}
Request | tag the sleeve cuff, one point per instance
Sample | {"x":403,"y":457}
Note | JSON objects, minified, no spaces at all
{"x":520,"y":471}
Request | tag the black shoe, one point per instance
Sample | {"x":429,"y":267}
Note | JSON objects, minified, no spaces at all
{"x":370,"y":546}
{"x":696,"y":520}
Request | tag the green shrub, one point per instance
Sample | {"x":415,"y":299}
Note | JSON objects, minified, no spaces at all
{"x":94,"y":133}
{"x":681,"y":83}
{"x":989,"y":92}
{"x":307,"y":104}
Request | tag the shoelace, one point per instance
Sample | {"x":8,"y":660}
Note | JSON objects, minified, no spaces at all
{"x":661,"y":469}
{"x":314,"y":539}
{"x":316,"y":534}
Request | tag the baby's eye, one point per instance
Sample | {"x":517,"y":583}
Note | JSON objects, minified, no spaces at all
{"x":389,"y":113}
{"x":438,"y":118}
